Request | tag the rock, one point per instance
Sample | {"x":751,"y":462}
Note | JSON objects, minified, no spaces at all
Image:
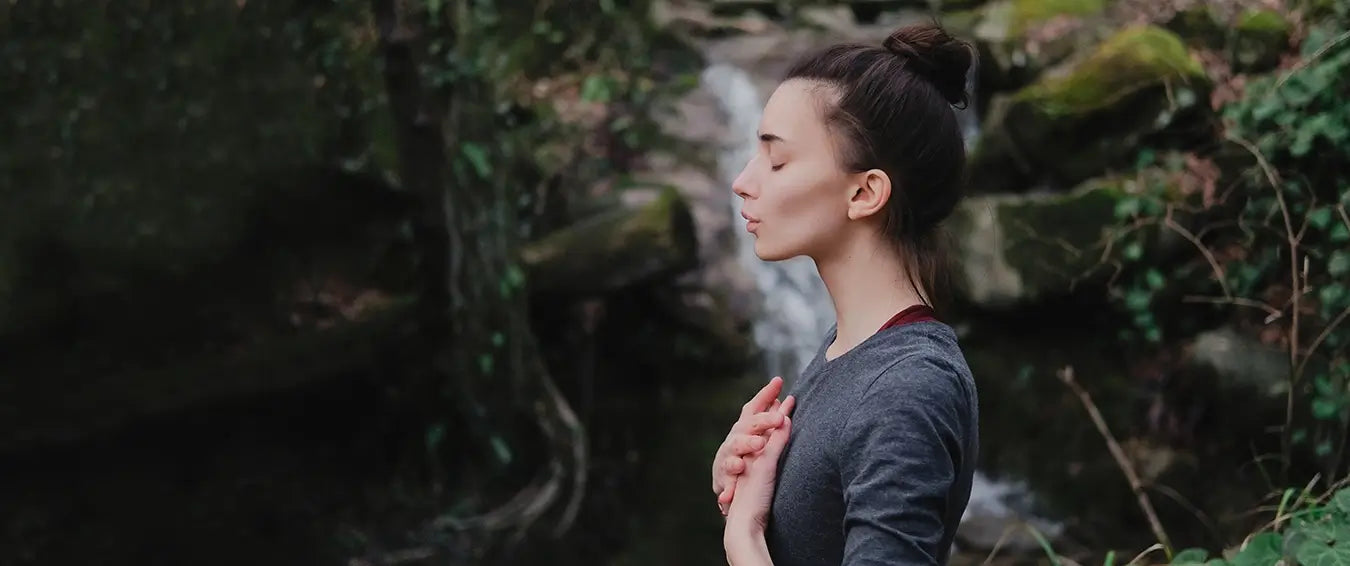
{"x":1017,"y":248}
{"x":999,"y":516}
{"x":699,"y":20}
{"x":1261,"y":37}
{"x":1087,"y":116}
{"x":1242,"y":361}
{"x":1018,"y":39}
{"x":1255,"y":37}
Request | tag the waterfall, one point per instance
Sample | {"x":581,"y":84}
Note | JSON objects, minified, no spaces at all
{"x":797,"y":310}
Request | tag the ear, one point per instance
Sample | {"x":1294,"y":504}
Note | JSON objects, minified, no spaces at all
{"x":870,"y":194}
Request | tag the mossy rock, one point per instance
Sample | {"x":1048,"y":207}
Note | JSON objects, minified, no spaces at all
{"x":1015,"y":249}
{"x":1020,"y":249}
{"x":1008,"y":59}
{"x":1089,"y":115}
{"x":1253,"y":41}
{"x":1261,"y":36}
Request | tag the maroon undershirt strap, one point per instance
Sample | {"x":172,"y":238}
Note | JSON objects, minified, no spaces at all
{"x":916,"y":313}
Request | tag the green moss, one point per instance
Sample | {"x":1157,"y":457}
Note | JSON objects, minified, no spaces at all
{"x":1028,"y":13}
{"x":1134,"y":59}
{"x":1262,"y":21}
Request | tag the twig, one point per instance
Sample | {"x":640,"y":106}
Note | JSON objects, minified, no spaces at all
{"x":1321,"y":337}
{"x":1315,"y":56}
{"x":1239,"y":301}
{"x":1297,"y":287}
{"x":1136,"y":485}
{"x":1209,"y":256}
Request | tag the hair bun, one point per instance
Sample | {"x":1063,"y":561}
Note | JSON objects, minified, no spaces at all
{"x":934,"y":54}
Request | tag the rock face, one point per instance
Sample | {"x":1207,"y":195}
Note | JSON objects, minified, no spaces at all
{"x":1088,"y":115}
{"x":1020,"y":248}
{"x":1018,"y":39}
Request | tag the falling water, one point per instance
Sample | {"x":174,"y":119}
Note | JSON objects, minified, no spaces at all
{"x":797,"y":310}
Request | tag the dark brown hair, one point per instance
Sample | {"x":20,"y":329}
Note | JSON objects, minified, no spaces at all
{"x":893,"y":111}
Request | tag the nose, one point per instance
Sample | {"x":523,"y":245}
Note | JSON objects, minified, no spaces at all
{"x":741,"y":186}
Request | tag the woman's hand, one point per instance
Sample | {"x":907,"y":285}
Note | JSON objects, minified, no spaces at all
{"x":743,"y":535}
{"x":748,"y":435}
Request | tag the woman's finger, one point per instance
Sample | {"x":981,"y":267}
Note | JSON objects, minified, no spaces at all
{"x":747,"y":444}
{"x":787,"y":405}
{"x":759,"y":423}
{"x":777,"y":441}
{"x":731,"y":465}
{"x":761,"y":401}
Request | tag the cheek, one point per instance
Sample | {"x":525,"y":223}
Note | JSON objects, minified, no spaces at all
{"x":804,"y":206}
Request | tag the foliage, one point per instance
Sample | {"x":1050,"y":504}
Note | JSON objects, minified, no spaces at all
{"x":1307,"y":531}
{"x":1273,"y":243}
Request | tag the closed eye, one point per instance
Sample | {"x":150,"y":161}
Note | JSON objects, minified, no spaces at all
{"x":777,"y":167}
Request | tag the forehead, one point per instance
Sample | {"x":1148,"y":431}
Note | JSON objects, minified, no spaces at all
{"x":793,"y":113}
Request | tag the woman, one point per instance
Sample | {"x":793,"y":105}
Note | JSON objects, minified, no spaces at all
{"x":860,"y":160}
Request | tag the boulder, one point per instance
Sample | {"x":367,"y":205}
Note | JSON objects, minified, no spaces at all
{"x":1089,"y":115}
{"x":1017,"y":249}
{"x":1261,"y":36}
{"x":1254,"y":38}
{"x":1018,"y":39}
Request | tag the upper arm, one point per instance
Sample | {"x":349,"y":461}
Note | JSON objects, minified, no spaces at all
{"x":901,"y":452}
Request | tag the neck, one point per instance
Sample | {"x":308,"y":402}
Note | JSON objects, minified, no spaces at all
{"x":868,"y":284}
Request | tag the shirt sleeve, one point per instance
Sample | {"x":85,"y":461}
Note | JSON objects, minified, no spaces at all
{"x":901,"y":450}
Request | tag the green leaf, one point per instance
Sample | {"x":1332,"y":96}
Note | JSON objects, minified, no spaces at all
{"x":1339,"y":234}
{"x":1320,"y":218}
{"x":485,"y":363}
{"x":514,"y":276}
{"x":478,"y":158}
{"x":1262,"y":550}
{"x":1155,"y":279}
{"x":596,"y":88}
{"x":1133,"y":251}
{"x":1331,"y":295}
{"x":435,"y":434}
{"x":1127,"y":207}
{"x":1323,"y":449}
{"x":500,"y":448}
{"x":1317,"y":553}
{"x":1325,"y":408}
{"x":1323,"y":386}
{"x":1339,"y":264}
{"x":1342,"y":500}
{"x":1191,"y":556}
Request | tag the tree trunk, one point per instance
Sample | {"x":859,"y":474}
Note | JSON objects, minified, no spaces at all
{"x":475,"y":319}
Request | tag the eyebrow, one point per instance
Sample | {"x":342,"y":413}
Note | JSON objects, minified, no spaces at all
{"x":770,"y":138}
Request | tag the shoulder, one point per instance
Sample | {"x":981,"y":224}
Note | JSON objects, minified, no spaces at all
{"x":923,"y":362}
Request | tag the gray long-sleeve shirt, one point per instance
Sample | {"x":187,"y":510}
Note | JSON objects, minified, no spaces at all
{"x":882,"y":454}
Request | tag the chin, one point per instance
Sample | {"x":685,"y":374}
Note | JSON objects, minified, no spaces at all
{"x":769,"y":253}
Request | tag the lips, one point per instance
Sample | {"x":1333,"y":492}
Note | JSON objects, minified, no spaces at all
{"x":751,"y":223}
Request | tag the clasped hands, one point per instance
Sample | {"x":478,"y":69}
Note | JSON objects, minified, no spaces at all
{"x":746,"y":464}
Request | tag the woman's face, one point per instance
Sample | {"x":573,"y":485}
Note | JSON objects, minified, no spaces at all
{"x":796,"y":195}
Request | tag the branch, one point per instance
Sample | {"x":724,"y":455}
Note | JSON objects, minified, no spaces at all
{"x":1209,"y":256}
{"x":1239,"y":301}
{"x":1136,"y":485}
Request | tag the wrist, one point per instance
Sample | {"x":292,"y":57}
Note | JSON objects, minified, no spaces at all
{"x":744,"y":543}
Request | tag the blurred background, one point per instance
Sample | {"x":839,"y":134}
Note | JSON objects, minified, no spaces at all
{"x":383,"y":282}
